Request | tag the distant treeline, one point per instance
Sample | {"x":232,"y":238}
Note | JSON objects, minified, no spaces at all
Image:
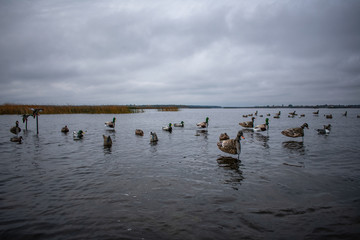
{"x":65,"y":109}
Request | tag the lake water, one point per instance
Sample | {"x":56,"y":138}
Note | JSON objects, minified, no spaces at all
{"x":52,"y":187}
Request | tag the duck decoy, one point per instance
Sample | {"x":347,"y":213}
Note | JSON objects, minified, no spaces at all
{"x":256,"y":113}
{"x":153,"y":137}
{"x":203,"y":124}
{"x":25,"y":119}
{"x":302,"y":115}
{"x":232,"y":146}
{"x":139,"y":132}
{"x":345,"y":114}
{"x":36,"y":113}
{"x":323,"y":130}
{"x":328,"y":127}
{"x":15,"y":129}
{"x":262,"y":127}
{"x":181,"y":124}
{"x":16,"y":139}
{"x":316,"y":113}
{"x":107,"y":141}
{"x":65,"y":129}
{"x":248,"y":124}
{"x":295,"y":132}
{"x":168,"y":128}
{"x":293,"y":113}
{"x":223,"y":136}
{"x":78,"y":135}
{"x":111,"y":125}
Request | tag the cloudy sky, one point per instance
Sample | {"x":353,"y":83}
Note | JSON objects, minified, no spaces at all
{"x":226,"y":53}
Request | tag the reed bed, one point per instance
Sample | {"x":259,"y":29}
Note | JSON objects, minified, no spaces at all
{"x":64,"y":109}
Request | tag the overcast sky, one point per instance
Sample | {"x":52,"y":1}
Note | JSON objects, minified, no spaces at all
{"x":226,"y":53}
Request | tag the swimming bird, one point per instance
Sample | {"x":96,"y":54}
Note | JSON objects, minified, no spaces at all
{"x":328,"y":127}
{"x":323,"y":130}
{"x":107,"y":141}
{"x":329,"y":116}
{"x":16,"y":139}
{"x":179,"y":124}
{"x":203,"y":124}
{"x":262,"y":127}
{"x":139,"y":132}
{"x":78,"y":135}
{"x":295,"y":132}
{"x":223,"y":136}
{"x":293,"y":113}
{"x":15,"y":129}
{"x":111,"y":124}
{"x":316,"y":113}
{"x":232,"y":146}
{"x":345,"y":114}
{"x":65,"y":129}
{"x":153,"y":137}
{"x":167,"y":128}
{"x":248,"y":124}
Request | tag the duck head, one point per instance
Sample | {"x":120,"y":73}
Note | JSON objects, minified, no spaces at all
{"x":305,"y":125}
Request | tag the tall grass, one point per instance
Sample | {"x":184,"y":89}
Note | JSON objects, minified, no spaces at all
{"x":64,"y":109}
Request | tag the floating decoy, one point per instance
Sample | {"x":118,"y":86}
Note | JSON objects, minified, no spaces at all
{"x":358,"y":116}
{"x":245,"y":116}
{"x":153,"y":137}
{"x":328,"y":127}
{"x":231,"y":146}
{"x":261,"y":115}
{"x":302,"y":115}
{"x":345,"y":114}
{"x":262,"y":127}
{"x":329,"y":116}
{"x":203,"y":124}
{"x":268,"y":114}
{"x":107,"y":141}
{"x":167,"y":128}
{"x":111,"y":124}
{"x":293,"y":113}
{"x":78,"y":135}
{"x":256,"y":113}
{"x":179,"y":124}
{"x":316,"y":113}
{"x":65,"y":129}
{"x":295,"y":132}
{"x":223,"y":136}
{"x":139,"y":132}
{"x":248,"y":124}
{"x":16,"y":139}
{"x":15,"y":129}
{"x":277,"y":115}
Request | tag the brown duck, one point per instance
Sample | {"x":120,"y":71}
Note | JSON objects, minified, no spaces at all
{"x":231,"y":146}
{"x":295,"y":132}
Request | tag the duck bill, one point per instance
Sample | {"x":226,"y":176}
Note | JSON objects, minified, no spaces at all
{"x":242,"y":137}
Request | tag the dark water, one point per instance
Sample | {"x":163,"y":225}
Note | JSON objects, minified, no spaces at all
{"x":52,"y":187}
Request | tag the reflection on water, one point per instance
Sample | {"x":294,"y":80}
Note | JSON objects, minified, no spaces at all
{"x":235,"y":175}
{"x":294,"y":145}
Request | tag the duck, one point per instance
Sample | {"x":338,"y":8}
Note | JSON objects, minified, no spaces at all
{"x":328,"y":127}
{"x":15,"y":129}
{"x":16,"y":139}
{"x":111,"y":124}
{"x":293,"y":113}
{"x":345,"y":114}
{"x":256,"y":113}
{"x":78,"y":135}
{"x":262,"y":127}
{"x":323,"y":130}
{"x":316,"y":113}
{"x":261,"y":115}
{"x":245,"y":116}
{"x":107,"y":141}
{"x":223,"y":136}
{"x":168,"y":128}
{"x":248,"y":124}
{"x":277,"y":115}
{"x":65,"y":129}
{"x":139,"y":132}
{"x":203,"y":124}
{"x":295,"y":132}
{"x":181,"y":124}
{"x":231,"y":146}
{"x":153,"y":137}
{"x":302,"y":115}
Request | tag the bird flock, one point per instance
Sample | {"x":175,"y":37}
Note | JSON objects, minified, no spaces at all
{"x":225,"y":144}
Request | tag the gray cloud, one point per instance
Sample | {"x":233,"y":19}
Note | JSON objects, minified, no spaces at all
{"x":232,"y":53}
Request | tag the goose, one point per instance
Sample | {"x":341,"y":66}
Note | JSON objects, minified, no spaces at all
{"x":232,"y":146}
{"x":328,"y":127}
{"x":16,"y":139}
{"x":329,"y":116}
{"x":277,"y":115}
{"x":293,"y":113}
{"x":223,"y":136}
{"x":168,"y":128}
{"x":295,"y":132}
{"x":256,"y":113}
{"x":111,"y":124}
{"x":65,"y":129}
{"x":107,"y":141}
{"x":345,"y":114}
{"x":139,"y":132}
{"x":78,"y":135}
{"x":248,"y":124}
{"x":203,"y":124}
{"x":181,"y":124}
{"x":323,"y":130}
{"x":262,"y":127}
{"x":15,"y":129}
{"x":153,"y":137}
{"x":316,"y":113}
